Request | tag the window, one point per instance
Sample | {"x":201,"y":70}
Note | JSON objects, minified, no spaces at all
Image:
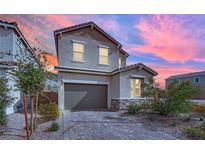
{"x":120,"y":62}
{"x":78,"y":50}
{"x":135,"y":87}
{"x":197,"y":80}
{"x":103,"y":56}
{"x":177,"y":82}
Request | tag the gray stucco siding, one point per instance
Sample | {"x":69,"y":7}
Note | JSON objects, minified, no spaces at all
{"x":91,"y":53}
{"x":115,"y":86}
{"x":125,"y":78}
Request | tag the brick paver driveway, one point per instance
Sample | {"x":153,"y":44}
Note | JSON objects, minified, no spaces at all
{"x":96,"y":125}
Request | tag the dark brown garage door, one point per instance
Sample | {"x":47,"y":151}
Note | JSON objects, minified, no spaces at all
{"x":85,"y":96}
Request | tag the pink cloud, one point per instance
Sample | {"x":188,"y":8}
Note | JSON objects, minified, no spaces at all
{"x":30,"y":30}
{"x":168,"y":38}
{"x":61,"y":20}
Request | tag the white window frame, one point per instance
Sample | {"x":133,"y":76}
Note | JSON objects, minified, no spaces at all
{"x":81,"y":43}
{"x":133,"y":88}
{"x":197,"y":78}
{"x":103,"y":47}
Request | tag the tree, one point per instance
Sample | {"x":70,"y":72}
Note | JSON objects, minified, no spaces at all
{"x":5,"y":99}
{"x":152,"y":90}
{"x":30,"y":79}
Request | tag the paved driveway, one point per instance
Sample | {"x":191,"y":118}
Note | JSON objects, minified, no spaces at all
{"x":96,"y":125}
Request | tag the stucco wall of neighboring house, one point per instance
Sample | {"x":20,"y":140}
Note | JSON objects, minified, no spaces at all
{"x":17,"y":49}
{"x":6,"y":45}
{"x":82,"y":79}
{"x":125,"y":78}
{"x":191,"y":80}
{"x":92,"y":39}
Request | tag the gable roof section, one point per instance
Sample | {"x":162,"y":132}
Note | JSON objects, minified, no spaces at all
{"x":138,"y":66}
{"x":14,"y":26}
{"x":83,"y":25}
{"x":193,"y":74}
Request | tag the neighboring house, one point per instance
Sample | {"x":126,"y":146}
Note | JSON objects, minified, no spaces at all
{"x":12,"y":45}
{"x":92,"y":69}
{"x":196,"y":78}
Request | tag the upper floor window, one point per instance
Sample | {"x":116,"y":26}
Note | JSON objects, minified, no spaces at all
{"x":135,"y":88}
{"x":103,"y":56}
{"x":197,"y":80}
{"x":78,"y":50}
{"x":120,"y":62}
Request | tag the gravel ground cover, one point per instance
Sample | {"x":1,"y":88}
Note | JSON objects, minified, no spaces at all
{"x":104,"y":125}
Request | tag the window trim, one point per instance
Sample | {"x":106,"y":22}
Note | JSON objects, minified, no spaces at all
{"x":103,"y":46}
{"x":103,"y":55}
{"x":197,"y":78}
{"x":78,"y":42}
{"x":135,"y":96}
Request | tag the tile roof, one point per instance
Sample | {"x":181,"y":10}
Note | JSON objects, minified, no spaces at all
{"x":192,"y":74}
{"x":137,"y":65}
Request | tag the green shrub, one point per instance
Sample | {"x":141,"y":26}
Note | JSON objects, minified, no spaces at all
{"x":54,"y":127}
{"x":133,"y":108}
{"x":172,"y":107}
{"x":49,"y":111}
{"x":195,"y":133}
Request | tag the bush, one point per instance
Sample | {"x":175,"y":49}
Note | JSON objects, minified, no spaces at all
{"x":54,"y":127}
{"x":176,"y":99}
{"x":195,"y":133}
{"x":172,"y":108}
{"x":49,"y":111}
{"x":133,"y":108}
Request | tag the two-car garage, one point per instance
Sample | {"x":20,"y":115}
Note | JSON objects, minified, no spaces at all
{"x":85,"y":96}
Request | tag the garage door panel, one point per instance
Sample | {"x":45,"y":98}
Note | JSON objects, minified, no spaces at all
{"x":85,"y":96}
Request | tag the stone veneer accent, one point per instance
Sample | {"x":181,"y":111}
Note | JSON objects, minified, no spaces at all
{"x":122,"y":104}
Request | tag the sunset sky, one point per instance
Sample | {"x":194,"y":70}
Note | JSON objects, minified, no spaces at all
{"x":170,"y":44}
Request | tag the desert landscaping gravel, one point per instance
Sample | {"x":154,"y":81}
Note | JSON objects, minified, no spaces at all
{"x":99,"y":125}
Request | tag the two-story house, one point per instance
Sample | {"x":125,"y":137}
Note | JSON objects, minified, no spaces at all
{"x":92,"y":69}
{"x":196,"y":78}
{"x":13,"y":45}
